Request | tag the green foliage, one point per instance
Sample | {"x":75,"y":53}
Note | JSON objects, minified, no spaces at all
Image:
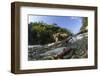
{"x":42,"y":33}
{"x":85,"y":23}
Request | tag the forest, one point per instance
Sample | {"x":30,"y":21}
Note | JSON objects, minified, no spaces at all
{"x":40,"y":33}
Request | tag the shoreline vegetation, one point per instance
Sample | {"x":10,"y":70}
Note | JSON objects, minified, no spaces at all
{"x":52,"y":42}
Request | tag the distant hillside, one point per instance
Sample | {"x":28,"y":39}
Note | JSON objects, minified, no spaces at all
{"x":42,"y":33}
{"x":85,"y":24}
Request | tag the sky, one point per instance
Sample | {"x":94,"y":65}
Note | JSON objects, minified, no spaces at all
{"x":73,"y":23}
